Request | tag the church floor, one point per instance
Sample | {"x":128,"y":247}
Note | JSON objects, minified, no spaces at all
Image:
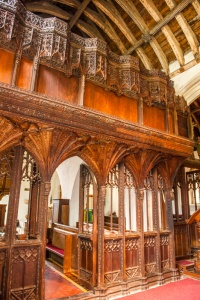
{"x":59,"y":286}
{"x":65,"y":287}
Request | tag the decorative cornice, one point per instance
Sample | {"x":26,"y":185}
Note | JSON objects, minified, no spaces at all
{"x":50,"y":42}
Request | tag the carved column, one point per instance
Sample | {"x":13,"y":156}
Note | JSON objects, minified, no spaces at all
{"x":170,"y":226}
{"x":42,"y":220}
{"x":140,"y":200}
{"x":101,"y":201}
{"x":156,"y":219}
{"x":12,"y":211}
{"x":121,"y":221}
{"x":14,"y":194}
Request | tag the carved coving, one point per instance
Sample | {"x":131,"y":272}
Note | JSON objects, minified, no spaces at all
{"x":51,"y":40}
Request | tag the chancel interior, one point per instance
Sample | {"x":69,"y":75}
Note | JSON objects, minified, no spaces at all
{"x":99,"y":144}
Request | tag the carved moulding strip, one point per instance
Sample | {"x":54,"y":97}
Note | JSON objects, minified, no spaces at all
{"x":34,"y":106}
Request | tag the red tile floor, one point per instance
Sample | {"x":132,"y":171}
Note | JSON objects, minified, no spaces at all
{"x":59,"y":286}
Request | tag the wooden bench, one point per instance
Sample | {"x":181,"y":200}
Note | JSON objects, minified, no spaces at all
{"x":63,"y":247}
{"x":185,"y":265}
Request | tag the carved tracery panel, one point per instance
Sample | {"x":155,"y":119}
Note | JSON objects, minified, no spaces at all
{"x":148,"y":203}
{"x":27,"y":220}
{"x":111,"y":209}
{"x":130,"y":201}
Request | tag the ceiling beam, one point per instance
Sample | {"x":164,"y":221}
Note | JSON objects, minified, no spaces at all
{"x":106,"y":26}
{"x":78,"y":13}
{"x":196,"y":121}
{"x":90,"y":30}
{"x":134,"y":14}
{"x":48,"y":8}
{"x":156,"y":15}
{"x":110,"y":10}
{"x":187,"y":30}
{"x":164,"y":21}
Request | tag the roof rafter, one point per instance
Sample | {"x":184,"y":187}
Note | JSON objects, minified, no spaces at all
{"x":48,"y":8}
{"x":189,"y":34}
{"x":110,"y":10}
{"x":132,"y":11}
{"x":80,"y":10}
{"x":156,"y":15}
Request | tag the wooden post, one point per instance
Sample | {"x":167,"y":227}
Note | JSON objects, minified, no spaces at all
{"x":121,"y":220}
{"x":140,"y":227}
{"x":101,"y":201}
{"x":16,"y":67}
{"x":81,"y":89}
{"x":170,"y":226}
{"x":167,"y":129}
{"x":140,"y":111}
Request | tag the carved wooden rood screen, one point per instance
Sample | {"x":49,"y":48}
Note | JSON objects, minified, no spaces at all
{"x":127,"y":126}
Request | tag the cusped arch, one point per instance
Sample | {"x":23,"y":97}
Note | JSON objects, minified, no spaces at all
{"x":141,"y":163}
{"x":102,"y":156}
{"x":168,"y":169}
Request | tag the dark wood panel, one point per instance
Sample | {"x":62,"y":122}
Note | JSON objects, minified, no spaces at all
{"x":25,"y":72}
{"x":6,"y":66}
{"x":55,"y":84}
{"x":108,"y":102}
{"x":154,"y":117}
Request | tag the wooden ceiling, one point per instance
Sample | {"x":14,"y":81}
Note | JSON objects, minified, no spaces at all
{"x":162,"y":33}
